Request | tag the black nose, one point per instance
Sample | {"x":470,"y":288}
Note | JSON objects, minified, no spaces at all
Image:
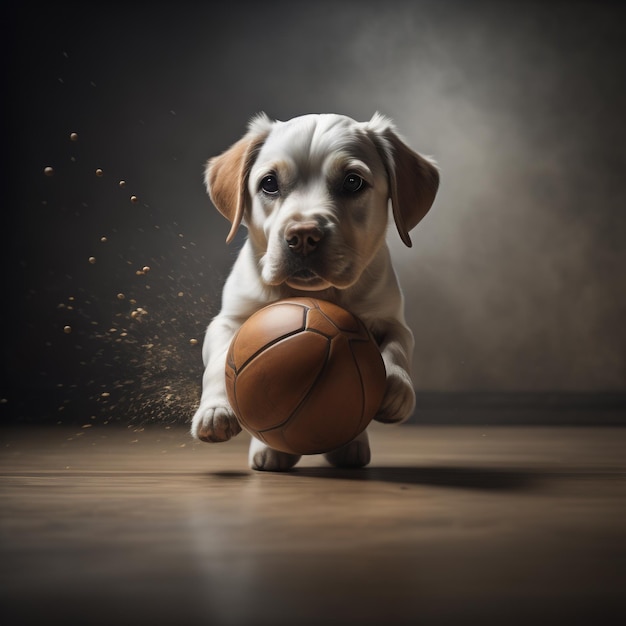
{"x":303,"y":237}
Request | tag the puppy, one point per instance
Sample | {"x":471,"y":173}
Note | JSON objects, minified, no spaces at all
{"x":313,"y":193}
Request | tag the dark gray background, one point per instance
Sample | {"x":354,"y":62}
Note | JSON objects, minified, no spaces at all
{"x":516,"y":279}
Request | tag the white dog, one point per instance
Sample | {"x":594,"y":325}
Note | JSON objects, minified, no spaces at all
{"x":313,"y":193}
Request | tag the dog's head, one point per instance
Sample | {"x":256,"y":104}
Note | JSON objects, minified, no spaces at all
{"x":314,"y":192}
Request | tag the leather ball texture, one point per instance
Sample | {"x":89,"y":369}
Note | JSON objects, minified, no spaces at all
{"x":304,"y":376}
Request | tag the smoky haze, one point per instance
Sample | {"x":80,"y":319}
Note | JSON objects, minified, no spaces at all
{"x":515,"y":281}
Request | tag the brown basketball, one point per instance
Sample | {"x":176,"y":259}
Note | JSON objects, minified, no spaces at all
{"x":304,"y":375}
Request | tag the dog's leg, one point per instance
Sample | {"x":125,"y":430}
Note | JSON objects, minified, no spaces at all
{"x":214,"y":419}
{"x":399,"y":399}
{"x":262,"y":457}
{"x":354,"y":454}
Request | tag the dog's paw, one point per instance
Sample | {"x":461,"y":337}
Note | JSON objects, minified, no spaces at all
{"x":267,"y":459}
{"x":354,"y":454}
{"x":214,"y":424}
{"x":399,"y":399}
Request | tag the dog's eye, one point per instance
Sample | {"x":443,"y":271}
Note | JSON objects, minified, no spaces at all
{"x":352,"y":183}
{"x":269,"y":184}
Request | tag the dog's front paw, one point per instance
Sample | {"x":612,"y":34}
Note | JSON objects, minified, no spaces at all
{"x":264,"y":458}
{"x":214,"y":424}
{"x":399,"y":399}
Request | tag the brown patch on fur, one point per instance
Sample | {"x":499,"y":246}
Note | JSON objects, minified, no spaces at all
{"x":226,"y":179}
{"x":414,"y":183}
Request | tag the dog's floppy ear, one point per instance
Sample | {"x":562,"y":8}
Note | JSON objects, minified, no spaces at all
{"x":413,"y":178}
{"x":226,"y":176}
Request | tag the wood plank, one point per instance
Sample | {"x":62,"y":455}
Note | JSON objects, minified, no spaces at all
{"x":116,"y":525}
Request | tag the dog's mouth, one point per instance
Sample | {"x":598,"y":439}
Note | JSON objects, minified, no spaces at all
{"x":304,"y":275}
{"x":306,"y":280}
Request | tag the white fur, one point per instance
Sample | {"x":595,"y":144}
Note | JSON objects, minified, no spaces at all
{"x":310,"y":157}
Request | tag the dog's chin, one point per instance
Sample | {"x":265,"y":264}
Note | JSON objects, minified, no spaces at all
{"x":311,"y":279}
{"x":307,"y":280}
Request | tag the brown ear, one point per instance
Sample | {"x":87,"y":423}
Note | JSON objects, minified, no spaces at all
{"x":413,"y":179}
{"x":226,"y":176}
{"x":414,"y":182}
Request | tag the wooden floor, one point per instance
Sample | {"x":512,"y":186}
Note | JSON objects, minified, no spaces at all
{"x":449,"y":525}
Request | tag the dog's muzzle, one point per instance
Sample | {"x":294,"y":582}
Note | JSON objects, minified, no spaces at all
{"x":304,"y":255}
